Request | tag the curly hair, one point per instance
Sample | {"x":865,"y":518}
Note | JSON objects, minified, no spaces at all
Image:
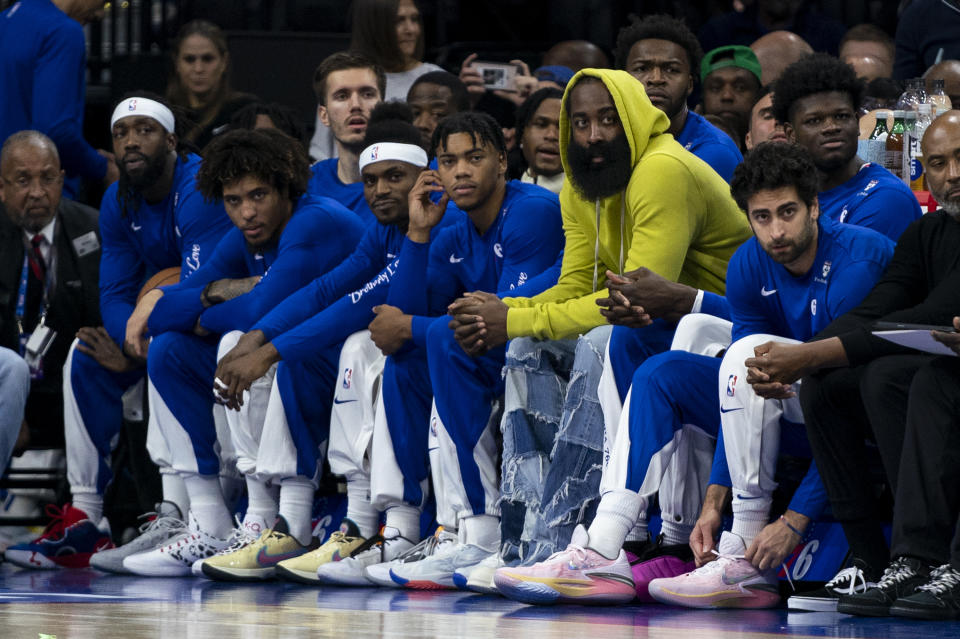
{"x":266,"y":154}
{"x":815,"y":73}
{"x":392,"y":122}
{"x":479,"y":126}
{"x":774,"y":165}
{"x":659,"y":27}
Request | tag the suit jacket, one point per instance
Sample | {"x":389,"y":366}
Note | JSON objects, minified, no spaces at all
{"x":75,"y":302}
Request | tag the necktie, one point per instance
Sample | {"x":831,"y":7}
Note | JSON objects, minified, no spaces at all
{"x":35,"y":284}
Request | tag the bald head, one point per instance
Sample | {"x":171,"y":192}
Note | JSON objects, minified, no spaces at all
{"x":576,"y":55}
{"x":31,"y":181}
{"x":949,"y":72}
{"x":941,"y":160}
{"x":776,"y":51}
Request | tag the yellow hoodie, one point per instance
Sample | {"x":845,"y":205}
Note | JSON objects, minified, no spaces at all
{"x":678,"y":217}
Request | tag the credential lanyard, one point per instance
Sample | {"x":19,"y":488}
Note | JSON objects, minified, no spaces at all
{"x":22,"y":303}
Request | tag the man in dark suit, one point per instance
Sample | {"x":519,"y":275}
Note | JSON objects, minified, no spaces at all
{"x":49,"y":267}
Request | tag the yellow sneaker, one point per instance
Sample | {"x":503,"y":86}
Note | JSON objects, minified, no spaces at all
{"x":257,"y":560}
{"x":340,"y":545}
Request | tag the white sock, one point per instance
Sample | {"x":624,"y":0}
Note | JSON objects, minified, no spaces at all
{"x":296,"y":506}
{"x":749,"y":515}
{"x":406,"y":519}
{"x":175,"y":492}
{"x":482,"y":531}
{"x":359,"y":509}
{"x":206,"y":504}
{"x":675,"y":533}
{"x":616,"y":516}
{"x":90,"y":503}
{"x":639,"y":532}
{"x":262,"y":500}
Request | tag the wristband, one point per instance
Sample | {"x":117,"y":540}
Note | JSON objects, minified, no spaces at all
{"x":783,"y":520}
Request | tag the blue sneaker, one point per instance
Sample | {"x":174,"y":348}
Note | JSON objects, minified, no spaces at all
{"x":68,"y":542}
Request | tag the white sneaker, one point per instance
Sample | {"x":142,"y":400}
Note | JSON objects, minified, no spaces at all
{"x":155,"y":532}
{"x":176,"y":557}
{"x":376,"y":550}
{"x":246,"y":532}
{"x":479,"y":577}
{"x":379,"y":574}
{"x":436,"y":572}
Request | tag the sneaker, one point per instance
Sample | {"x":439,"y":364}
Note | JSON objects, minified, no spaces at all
{"x":304,"y":568}
{"x":849,"y":581}
{"x":657,"y":560}
{"x":379,"y":574}
{"x":67,"y":542}
{"x":376,"y":550}
{"x":245,"y":533}
{"x":155,"y":531}
{"x":479,"y":578}
{"x":900,"y":579}
{"x":257,"y":560}
{"x":938,"y":599}
{"x":730,"y":581}
{"x":176,"y":557}
{"x":436,"y":572}
{"x":575,"y":575}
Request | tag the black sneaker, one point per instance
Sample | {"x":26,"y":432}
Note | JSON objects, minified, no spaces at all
{"x":900,"y":579}
{"x":849,"y":581}
{"x":938,"y":599}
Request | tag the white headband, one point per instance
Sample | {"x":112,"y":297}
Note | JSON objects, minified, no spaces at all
{"x":145,"y":107}
{"x":381,"y":151}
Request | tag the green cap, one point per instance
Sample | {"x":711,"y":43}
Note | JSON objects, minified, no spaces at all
{"x":733,"y":55}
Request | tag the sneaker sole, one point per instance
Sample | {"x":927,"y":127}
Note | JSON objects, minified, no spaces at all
{"x":544,"y":593}
{"x":386,"y":582}
{"x":460,"y":581}
{"x":926,"y":614}
{"x":220,"y":573}
{"x":725,"y":599}
{"x":812,"y":604}
{"x":158,"y":571}
{"x":421,"y":584}
{"x":299,"y":576}
{"x":30,"y":559}
{"x":863,"y":611}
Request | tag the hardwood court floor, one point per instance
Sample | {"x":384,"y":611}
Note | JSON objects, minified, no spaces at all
{"x":85,"y":604}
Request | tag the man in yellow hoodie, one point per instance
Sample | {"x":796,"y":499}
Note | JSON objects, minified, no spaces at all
{"x":634,"y":199}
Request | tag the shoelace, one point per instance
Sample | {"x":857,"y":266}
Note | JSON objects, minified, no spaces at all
{"x":573,"y":555}
{"x":724,"y":558}
{"x":896,"y":573}
{"x":852,"y":576}
{"x":156,"y":521}
{"x":58,"y":522}
{"x":942,"y":579}
{"x":423,"y":549}
{"x":239,"y":538}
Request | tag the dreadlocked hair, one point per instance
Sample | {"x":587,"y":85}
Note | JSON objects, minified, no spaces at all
{"x":266,"y":154}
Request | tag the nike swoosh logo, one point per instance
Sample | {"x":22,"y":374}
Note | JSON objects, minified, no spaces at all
{"x":722,"y":409}
{"x":135,"y":227}
{"x":745,"y":497}
{"x":455,"y":260}
{"x":765,"y":292}
{"x":264,"y":558}
{"x":342,"y":401}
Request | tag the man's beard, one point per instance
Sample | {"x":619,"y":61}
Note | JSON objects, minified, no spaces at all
{"x":610,"y":177}
{"x":152,"y":171}
{"x":950,"y":206}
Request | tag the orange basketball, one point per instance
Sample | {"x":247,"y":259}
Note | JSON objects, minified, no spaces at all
{"x":161,"y":278}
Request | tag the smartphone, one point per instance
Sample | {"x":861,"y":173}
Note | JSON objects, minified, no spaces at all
{"x":897,"y":326}
{"x":497,"y":76}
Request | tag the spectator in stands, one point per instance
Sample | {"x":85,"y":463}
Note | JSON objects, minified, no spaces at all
{"x":663,"y":54}
{"x":576,"y":55}
{"x":538,"y":129}
{"x":928,"y":32}
{"x":432,"y":97}
{"x":60,"y":243}
{"x":823,"y":33}
{"x":949,"y":72}
{"x":153,"y":218}
{"x":776,"y":51}
{"x":42,"y":79}
{"x":763,"y":125}
{"x":200,"y":82}
{"x":869,"y":50}
{"x":262,"y":115}
{"x":390,"y":34}
{"x":731,"y":83}
{"x":347,"y":86}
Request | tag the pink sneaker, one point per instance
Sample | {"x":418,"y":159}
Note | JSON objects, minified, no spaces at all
{"x":728,"y":582}
{"x":657,"y":568}
{"x":574,"y":575}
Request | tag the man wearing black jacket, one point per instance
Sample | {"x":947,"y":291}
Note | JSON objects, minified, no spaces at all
{"x":49,"y":247}
{"x":856,"y":386}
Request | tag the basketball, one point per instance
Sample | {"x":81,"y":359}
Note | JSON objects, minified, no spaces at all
{"x":161,"y":278}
